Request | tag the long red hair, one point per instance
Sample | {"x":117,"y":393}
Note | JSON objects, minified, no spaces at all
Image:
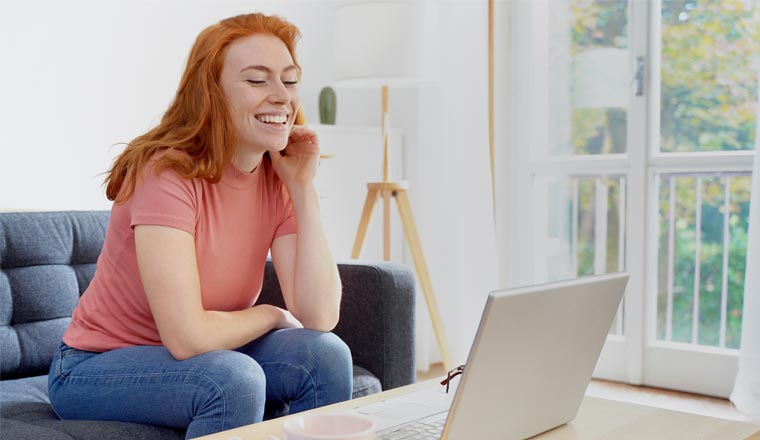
{"x":197,"y":122}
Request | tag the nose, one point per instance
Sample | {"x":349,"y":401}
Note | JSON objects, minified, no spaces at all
{"x":279,"y":94}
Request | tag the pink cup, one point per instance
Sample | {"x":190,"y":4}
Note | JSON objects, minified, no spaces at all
{"x":329,"y":426}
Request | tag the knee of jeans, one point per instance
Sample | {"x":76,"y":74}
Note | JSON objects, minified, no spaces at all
{"x":235,"y":376}
{"x":335,"y":348}
{"x":337,"y":365}
{"x":331,"y":356}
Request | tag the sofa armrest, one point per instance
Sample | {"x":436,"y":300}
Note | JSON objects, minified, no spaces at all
{"x":376,"y":316}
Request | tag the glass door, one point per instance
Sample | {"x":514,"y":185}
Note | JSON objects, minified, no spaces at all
{"x":585,"y":129}
{"x":634,"y":126}
{"x":703,"y":117}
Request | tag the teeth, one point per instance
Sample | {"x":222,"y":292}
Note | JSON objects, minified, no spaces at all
{"x":272,"y":119}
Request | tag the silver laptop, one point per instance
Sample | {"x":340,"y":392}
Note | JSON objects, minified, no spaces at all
{"x":527,"y":371}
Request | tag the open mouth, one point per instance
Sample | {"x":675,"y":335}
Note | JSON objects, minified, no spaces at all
{"x":273,"y":119}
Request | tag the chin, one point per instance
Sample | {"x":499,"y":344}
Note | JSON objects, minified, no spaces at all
{"x":270,"y":145}
{"x":278,"y":147}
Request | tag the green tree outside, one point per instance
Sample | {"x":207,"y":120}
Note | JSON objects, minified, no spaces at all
{"x":709,"y":77}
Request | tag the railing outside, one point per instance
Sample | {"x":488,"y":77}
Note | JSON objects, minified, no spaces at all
{"x":702,"y":256}
{"x":702,"y":232}
{"x":585,"y":228}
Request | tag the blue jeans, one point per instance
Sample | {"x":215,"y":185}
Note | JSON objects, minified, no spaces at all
{"x":288,"y":370}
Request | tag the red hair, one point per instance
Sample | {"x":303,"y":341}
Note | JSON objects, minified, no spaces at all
{"x":197,"y":122}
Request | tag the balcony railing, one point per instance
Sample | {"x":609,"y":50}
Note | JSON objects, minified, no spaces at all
{"x":702,"y":233}
{"x":585,"y":228}
{"x":703,"y":219}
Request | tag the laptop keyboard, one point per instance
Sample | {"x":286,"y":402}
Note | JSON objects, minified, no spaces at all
{"x":429,"y":430}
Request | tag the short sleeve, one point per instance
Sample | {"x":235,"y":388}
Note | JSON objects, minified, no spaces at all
{"x":287,"y":217}
{"x":164,"y":199}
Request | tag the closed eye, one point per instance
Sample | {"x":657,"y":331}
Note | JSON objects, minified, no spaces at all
{"x":262,"y":82}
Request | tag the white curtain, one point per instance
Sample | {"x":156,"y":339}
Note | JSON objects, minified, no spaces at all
{"x":746,"y":394}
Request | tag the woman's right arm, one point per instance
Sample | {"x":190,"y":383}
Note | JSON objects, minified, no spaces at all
{"x":169,"y":272}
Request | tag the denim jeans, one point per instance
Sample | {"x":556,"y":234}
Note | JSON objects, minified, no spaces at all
{"x":284,"y":371}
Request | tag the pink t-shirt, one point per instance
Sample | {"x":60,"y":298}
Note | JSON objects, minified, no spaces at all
{"x":233,"y":223}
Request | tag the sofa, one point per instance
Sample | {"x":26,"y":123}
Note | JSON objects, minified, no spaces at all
{"x":47,"y":259}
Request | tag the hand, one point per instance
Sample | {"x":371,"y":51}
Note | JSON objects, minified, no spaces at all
{"x":297,"y":164}
{"x":283,"y":318}
{"x":289,"y":321}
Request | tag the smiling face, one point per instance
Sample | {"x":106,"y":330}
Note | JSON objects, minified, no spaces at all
{"x":259,"y":80}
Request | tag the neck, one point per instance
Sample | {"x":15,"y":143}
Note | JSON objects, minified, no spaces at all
{"x":247,"y":161}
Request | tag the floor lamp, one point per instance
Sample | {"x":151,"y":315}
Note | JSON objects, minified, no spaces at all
{"x":382,"y":43}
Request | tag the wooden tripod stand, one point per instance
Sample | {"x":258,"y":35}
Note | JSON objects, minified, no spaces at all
{"x":398,"y":190}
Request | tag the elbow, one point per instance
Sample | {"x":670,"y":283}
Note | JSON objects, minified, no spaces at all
{"x":322,"y":323}
{"x":189,"y":339}
{"x":321,"y":327}
{"x":182,"y":355}
{"x":323,"y":317}
{"x":182,"y":350}
{"x":327,"y":326}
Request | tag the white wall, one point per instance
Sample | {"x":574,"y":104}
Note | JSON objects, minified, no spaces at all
{"x":80,"y":76}
{"x":451,"y":173}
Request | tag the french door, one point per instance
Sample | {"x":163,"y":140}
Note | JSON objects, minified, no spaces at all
{"x":634,"y":126}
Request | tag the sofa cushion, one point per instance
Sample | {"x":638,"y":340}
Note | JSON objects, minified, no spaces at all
{"x":365,"y":383}
{"x":50,"y":238}
{"x":47,"y":259}
{"x":26,"y":390}
{"x":38,"y":421}
{"x":25,"y":412}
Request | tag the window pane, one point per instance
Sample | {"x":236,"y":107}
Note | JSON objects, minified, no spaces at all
{"x":704,"y":218}
{"x":580,"y":228}
{"x":582,"y":225}
{"x":684,"y":255}
{"x":666,"y":220}
{"x":708,"y":76}
{"x":711,"y":260}
{"x":589,"y":77}
{"x":738,"y":225}
{"x":586,"y":226}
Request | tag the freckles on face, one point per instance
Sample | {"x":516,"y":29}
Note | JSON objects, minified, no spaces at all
{"x":259,"y":81}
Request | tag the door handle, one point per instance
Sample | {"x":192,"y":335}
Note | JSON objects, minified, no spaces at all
{"x":638,"y":78}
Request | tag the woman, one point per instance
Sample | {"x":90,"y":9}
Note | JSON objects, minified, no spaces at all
{"x":167,"y":333}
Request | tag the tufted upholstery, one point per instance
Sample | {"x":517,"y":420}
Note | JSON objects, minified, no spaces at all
{"x":47,"y":260}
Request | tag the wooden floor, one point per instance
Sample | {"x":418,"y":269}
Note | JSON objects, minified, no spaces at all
{"x":660,"y":398}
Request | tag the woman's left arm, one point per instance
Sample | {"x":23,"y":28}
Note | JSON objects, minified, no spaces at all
{"x":304,"y":263}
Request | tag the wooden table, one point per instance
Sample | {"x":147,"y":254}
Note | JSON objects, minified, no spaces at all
{"x":597,"y":419}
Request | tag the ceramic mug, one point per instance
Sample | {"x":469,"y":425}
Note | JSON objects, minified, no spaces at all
{"x":329,"y":426}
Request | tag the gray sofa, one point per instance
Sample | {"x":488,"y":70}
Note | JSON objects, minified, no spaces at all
{"x":47,"y":259}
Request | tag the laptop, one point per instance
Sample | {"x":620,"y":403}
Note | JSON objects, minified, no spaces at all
{"x":527,"y":371}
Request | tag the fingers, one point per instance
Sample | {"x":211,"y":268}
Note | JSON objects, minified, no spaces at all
{"x":301,"y":133}
{"x":275,"y":155}
{"x":302,"y":145}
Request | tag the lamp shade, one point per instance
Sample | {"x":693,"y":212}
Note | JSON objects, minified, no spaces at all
{"x":382,"y":42}
{"x":601,"y":78}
